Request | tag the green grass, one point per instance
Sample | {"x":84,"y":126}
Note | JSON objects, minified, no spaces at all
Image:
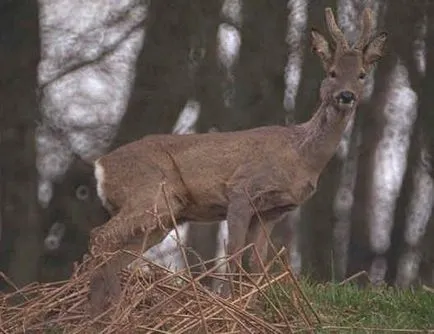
{"x":360,"y":308}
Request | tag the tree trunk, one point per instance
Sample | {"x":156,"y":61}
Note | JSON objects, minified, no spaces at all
{"x":162,"y":84}
{"x":19,"y":58}
{"x":397,"y":238}
{"x":259,"y":76}
{"x":372,"y":124}
{"x":425,"y":95}
{"x":426,"y":268}
{"x":317,"y":225}
{"x":209,"y":78}
{"x":427,"y":121}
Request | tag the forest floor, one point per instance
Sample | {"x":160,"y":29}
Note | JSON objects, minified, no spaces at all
{"x":164,"y":302}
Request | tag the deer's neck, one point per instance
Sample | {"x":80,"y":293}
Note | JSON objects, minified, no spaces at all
{"x":319,"y":137}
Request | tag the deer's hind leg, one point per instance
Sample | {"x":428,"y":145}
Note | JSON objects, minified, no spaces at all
{"x":259,"y":234}
{"x":105,"y":285}
{"x":133,"y":225}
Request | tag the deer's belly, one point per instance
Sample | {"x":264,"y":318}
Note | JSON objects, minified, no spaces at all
{"x":278,"y":211}
{"x":204,"y":212}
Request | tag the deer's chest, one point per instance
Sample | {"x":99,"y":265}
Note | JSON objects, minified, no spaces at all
{"x":285,"y":196}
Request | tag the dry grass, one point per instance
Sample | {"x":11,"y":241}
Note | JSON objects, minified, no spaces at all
{"x":162,"y":303}
{"x":271,"y":302}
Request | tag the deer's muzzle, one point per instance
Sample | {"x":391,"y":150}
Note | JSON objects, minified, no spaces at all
{"x":346,"y":97}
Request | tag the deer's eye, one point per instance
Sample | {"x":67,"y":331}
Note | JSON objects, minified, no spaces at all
{"x":362,"y":75}
{"x":332,"y":74}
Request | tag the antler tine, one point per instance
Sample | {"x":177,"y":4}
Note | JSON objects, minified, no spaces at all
{"x":335,"y":31}
{"x":366,"y":29}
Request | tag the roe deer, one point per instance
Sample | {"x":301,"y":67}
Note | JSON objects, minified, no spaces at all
{"x":232,"y":175}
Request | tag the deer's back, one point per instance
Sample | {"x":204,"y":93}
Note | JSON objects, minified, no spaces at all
{"x":203,"y":163}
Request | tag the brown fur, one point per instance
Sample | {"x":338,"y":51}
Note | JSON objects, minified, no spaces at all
{"x":207,"y":177}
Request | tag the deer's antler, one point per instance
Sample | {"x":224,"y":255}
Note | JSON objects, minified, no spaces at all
{"x":335,"y":31}
{"x":366,"y":23}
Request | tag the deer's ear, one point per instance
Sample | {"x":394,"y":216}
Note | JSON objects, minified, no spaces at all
{"x":321,"y":47}
{"x":375,"y":49}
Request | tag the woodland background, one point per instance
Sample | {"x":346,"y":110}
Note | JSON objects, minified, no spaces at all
{"x":78,"y":79}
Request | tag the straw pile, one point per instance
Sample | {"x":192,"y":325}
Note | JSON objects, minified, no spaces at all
{"x":163,"y":302}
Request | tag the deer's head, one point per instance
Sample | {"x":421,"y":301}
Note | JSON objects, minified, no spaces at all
{"x":347,"y":67}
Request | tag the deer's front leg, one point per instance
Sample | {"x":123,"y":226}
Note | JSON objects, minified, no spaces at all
{"x":239,"y":214}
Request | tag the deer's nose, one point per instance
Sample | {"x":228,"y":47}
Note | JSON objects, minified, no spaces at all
{"x":346,"y":97}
